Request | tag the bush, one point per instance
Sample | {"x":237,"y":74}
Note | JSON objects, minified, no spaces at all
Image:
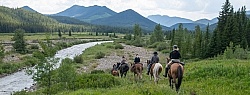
{"x":161,"y":46}
{"x":78,"y":59}
{"x":96,"y":81}
{"x":34,"y":46}
{"x":99,"y":55}
{"x":154,"y":45}
{"x":97,"y":72}
{"x":118,"y":46}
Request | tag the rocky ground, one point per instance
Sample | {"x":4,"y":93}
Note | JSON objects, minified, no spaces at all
{"x":129,"y":53}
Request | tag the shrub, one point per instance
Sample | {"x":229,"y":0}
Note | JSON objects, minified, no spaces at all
{"x":154,"y":45}
{"x":34,"y":46}
{"x":161,"y":46}
{"x":99,"y":55}
{"x":96,"y":81}
{"x":78,"y":59}
{"x":97,"y":72}
{"x":118,"y":46}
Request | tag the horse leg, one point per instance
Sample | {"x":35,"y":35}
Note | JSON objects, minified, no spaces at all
{"x":141,"y":73}
{"x":125,"y":74}
{"x":169,"y":79}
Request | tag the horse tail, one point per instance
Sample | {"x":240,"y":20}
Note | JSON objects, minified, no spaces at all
{"x":180,"y":76}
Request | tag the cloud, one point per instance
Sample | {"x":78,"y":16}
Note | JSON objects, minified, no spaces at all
{"x":192,"y":9}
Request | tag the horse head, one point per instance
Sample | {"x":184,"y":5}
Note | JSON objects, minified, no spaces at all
{"x":118,"y":65}
{"x":148,"y":62}
{"x":168,"y":59}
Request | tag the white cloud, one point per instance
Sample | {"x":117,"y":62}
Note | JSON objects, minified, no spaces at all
{"x":192,"y":9}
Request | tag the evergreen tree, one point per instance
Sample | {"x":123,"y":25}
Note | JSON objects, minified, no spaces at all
{"x":19,"y":44}
{"x":70,"y":33}
{"x":248,"y":33}
{"x":1,"y":52}
{"x":198,"y":42}
{"x":137,"y":31}
{"x":206,"y":42}
{"x":172,"y":37}
{"x":59,"y":34}
{"x":157,"y":35}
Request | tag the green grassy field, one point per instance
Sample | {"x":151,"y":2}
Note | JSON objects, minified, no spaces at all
{"x":42,"y":36}
{"x":207,"y":77}
{"x":204,"y":77}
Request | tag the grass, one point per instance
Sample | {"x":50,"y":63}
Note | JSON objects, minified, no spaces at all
{"x":202,"y":77}
{"x":89,"y":55}
{"x":206,"y":77}
{"x":42,"y":36}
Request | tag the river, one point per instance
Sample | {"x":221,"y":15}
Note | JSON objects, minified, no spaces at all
{"x":20,"y":80}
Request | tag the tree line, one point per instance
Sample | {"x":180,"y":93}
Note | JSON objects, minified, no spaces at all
{"x":33,"y":22}
{"x":233,"y":27}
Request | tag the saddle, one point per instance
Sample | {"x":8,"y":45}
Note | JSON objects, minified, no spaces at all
{"x":182,"y":63}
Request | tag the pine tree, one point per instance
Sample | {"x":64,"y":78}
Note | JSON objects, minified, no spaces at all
{"x":248,"y":33}
{"x":19,"y":44}
{"x":59,"y":34}
{"x":197,"y":42}
{"x":137,"y":31}
{"x":206,"y":42}
{"x":157,"y":35}
{"x":70,"y":33}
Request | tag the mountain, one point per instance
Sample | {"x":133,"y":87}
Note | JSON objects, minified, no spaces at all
{"x":173,"y":22}
{"x":68,"y":20}
{"x":189,"y":26}
{"x":248,"y":12}
{"x":168,"y":21}
{"x":206,"y":21}
{"x":87,"y":14}
{"x":127,"y":18}
{"x":29,"y":9}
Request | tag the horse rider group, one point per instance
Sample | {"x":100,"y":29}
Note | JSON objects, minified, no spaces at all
{"x":174,"y":56}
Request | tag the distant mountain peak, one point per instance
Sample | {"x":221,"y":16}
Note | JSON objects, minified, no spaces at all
{"x":28,"y":8}
{"x":87,"y":14}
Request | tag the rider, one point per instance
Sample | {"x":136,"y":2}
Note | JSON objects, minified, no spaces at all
{"x":123,"y":60}
{"x":175,"y":57}
{"x":154,"y":59}
{"x":137,"y":59}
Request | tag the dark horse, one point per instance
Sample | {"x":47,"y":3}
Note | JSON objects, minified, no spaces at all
{"x":123,"y":68}
{"x":114,"y":70}
{"x":137,"y":69}
{"x":176,"y":72}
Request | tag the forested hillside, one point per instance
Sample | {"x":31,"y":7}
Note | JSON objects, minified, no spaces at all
{"x":14,"y":18}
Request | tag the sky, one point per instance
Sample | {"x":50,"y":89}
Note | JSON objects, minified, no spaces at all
{"x":191,"y":9}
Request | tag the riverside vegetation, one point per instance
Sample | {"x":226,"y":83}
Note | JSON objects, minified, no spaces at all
{"x":200,"y":77}
{"x":217,"y":62}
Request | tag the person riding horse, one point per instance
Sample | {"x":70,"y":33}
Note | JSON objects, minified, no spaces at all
{"x":137,"y":59}
{"x":175,"y":57}
{"x":154,"y":59}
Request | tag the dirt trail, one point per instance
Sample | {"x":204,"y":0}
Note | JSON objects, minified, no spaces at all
{"x":129,"y":51}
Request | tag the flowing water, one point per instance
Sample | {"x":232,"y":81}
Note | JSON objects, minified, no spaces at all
{"x":20,"y":80}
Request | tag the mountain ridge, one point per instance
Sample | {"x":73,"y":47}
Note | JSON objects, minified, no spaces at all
{"x":87,"y":14}
{"x":127,"y":18}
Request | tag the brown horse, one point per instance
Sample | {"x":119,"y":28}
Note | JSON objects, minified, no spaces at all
{"x":155,"y":71}
{"x":176,"y":72}
{"x":137,"y":69}
{"x":114,"y":71}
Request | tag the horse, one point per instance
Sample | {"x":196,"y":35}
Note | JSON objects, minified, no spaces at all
{"x":155,"y":71}
{"x":123,"y":68}
{"x":176,"y":72}
{"x":137,"y":70}
{"x":114,"y":70}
